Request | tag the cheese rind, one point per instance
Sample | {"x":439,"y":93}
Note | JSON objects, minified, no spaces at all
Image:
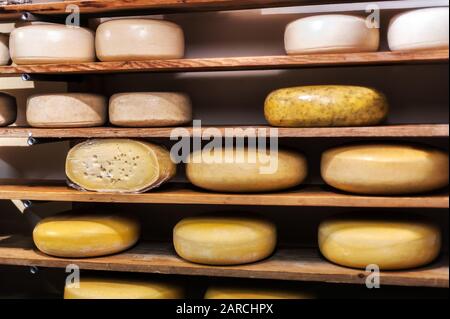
{"x":228,"y":292}
{"x":385,"y":168}
{"x":118,"y":165}
{"x":325,"y":105}
{"x":331,"y":33}
{"x":66,"y":110}
{"x":224,"y":240}
{"x":8,"y":109}
{"x":149,"y":109}
{"x":4,"y":49}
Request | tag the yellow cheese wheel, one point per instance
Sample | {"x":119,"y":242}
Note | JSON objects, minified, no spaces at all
{"x":109,"y":288}
{"x":325,"y":105}
{"x":228,"y":292}
{"x":118,"y":165}
{"x":224,"y":240}
{"x":385,"y":168}
{"x":244,"y":170}
{"x":8,"y":109}
{"x":4,"y":49}
{"x":388,"y":243}
{"x":85,"y":235}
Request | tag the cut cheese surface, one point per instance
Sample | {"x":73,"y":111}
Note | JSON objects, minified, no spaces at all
{"x":422,"y":29}
{"x":228,"y":292}
{"x":147,"y":109}
{"x":8,"y":109}
{"x":389,"y":243}
{"x":385,"y":168}
{"x":85,"y":235}
{"x":325,"y":105}
{"x":331,"y":33}
{"x":66,"y":110}
{"x":4,"y":49}
{"x":224,"y":240}
{"x":118,"y":165}
{"x":138,"y":39}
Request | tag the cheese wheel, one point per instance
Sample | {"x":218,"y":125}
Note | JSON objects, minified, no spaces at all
{"x":389,"y":243}
{"x":246,"y":170}
{"x":4,"y":49}
{"x":85,"y":235}
{"x":138,"y":39}
{"x":331,"y":33}
{"x":118,"y":165}
{"x":224,"y":240}
{"x":228,"y":292}
{"x":8,"y":109}
{"x":149,"y":109}
{"x":66,"y":110}
{"x":110,"y":288}
{"x":325,"y":105}
{"x":51,"y":43}
{"x":385,"y":168}
{"x":422,"y":29}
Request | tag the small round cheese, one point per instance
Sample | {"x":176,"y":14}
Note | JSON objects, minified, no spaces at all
{"x":228,"y":292}
{"x":109,"y":288}
{"x":66,"y":110}
{"x":385,"y":168}
{"x":8,"y":109}
{"x":331,"y":33}
{"x":78,"y":235}
{"x":138,"y":39}
{"x":224,"y":240}
{"x":389,"y":243}
{"x":51,"y":43}
{"x":149,"y":109}
{"x":4,"y":49}
{"x":422,"y":29}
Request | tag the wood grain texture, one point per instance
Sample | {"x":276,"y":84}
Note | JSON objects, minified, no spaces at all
{"x":234,"y":63}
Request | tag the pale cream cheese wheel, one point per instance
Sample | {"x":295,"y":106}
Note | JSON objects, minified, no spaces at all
{"x":139,"y":39}
{"x":149,"y":109}
{"x":8,"y":109}
{"x":4,"y":49}
{"x":66,"y":110}
{"x":331,"y":33}
{"x":51,"y":43}
{"x":421,"y":29}
{"x":245,"y":292}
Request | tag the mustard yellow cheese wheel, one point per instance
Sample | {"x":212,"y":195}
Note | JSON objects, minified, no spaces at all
{"x":227,"y":292}
{"x":85,"y":235}
{"x":325,"y":105}
{"x":391,"y":244}
{"x":109,"y":288}
{"x":224,"y":240}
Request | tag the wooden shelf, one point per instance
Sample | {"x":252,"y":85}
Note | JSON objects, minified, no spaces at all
{"x":234,"y":63}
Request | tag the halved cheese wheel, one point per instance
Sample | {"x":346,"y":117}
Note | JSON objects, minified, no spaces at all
{"x":385,"y":168}
{"x":51,"y":43}
{"x":331,"y":33}
{"x":86,"y":235}
{"x":138,"y":39}
{"x":224,"y":240}
{"x":149,"y":109}
{"x":325,"y":105}
{"x":66,"y":110}
{"x":229,"y":292}
{"x":8,"y":109}
{"x":4,"y":49}
{"x":118,"y":165}
{"x":422,"y":29}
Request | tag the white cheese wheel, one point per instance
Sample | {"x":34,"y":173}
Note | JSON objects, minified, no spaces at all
{"x":4,"y":49}
{"x":385,"y":168}
{"x":231,"y":292}
{"x":138,"y":39}
{"x":390,"y":243}
{"x":331,"y":33}
{"x":422,"y":29}
{"x":8,"y":109}
{"x":66,"y":110}
{"x":149,"y":109}
{"x":224,"y":240}
{"x":51,"y":43}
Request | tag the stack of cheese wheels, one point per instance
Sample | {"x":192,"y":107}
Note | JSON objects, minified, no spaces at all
{"x":66,"y":110}
{"x":422,"y":29}
{"x":389,"y":242}
{"x":332,"y":33}
{"x":118,"y":165}
{"x":325,"y":105}
{"x":246,"y":169}
{"x":4,"y":49}
{"x":109,"y":288}
{"x":8,"y":109}
{"x":138,"y":39}
{"x":385,"y":168}
{"x":149,"y":109}
{"x":78,"y":235}
{"x":51,"y":43}
{"x":231,"y":292}
{"x":226,"y":240}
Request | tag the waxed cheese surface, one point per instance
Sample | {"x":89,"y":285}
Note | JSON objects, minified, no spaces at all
{"x":4,"y":49}
{"x":245,"y":292}
{"x":8,"y":109}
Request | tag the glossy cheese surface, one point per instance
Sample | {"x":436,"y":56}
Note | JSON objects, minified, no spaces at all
{"x":227,"y":292}
{"x":8,"y":109}
{"x":4,"y":49}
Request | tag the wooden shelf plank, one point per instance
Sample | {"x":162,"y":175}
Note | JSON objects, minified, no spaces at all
{"x":234,"y":63}
{"x":298,"y":264}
